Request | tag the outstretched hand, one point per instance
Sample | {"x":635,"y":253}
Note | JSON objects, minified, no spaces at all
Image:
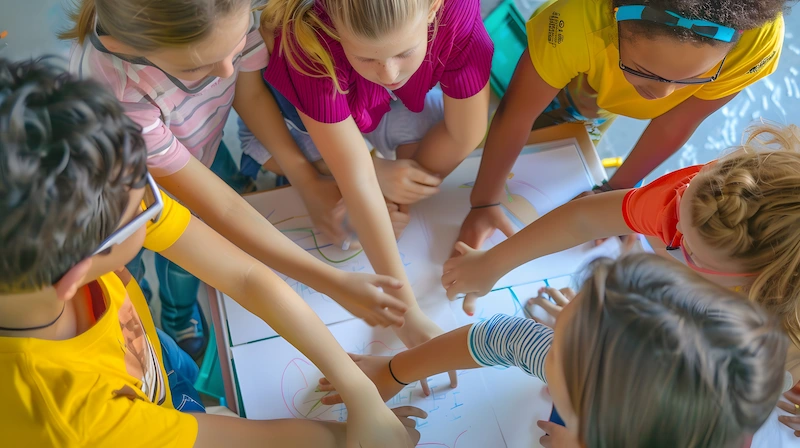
{"x":468,"y":274}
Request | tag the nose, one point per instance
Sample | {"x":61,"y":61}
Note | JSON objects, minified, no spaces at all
{"x":224,"y":69}
{"x":388,"y":73}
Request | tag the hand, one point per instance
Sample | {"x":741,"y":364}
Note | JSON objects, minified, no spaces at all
{"x":468,"y":274}
{"x":400,"y":217}
{"x":562,"y":298}
{"x":326,"y":208}
{"x":364,"y":297}
{"x":792,"y":407}
{"x":418,"y":330}
{"x":556,"y":436}
{"x":377,"y":370}
{"x":481,"y":223}
{"x":404,"y":181}
{"x":378,"y":426}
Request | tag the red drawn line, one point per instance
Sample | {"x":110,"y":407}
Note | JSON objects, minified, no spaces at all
{"x":381,"y":344}
{"x":283,"y":377}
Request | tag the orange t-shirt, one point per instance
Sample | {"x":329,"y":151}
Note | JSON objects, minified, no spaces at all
{"x":653,"y":209}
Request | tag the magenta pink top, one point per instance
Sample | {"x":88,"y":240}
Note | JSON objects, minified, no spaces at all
{"x":459,"y":57}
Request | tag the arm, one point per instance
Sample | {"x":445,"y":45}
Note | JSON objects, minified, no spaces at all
{"x":257,"y":107}
{"x":213,"y":259}
{"x":662,"y":137}
{"x":500,"y":341}
{"x":450,"y":141}
{"x":225,"y":211}
{"x":527,"y":96}
{"x":576,"y":222}
{"x":345,"y":152}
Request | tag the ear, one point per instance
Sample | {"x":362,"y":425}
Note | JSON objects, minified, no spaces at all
{"x":67,"y":287}
{"x":435,"y":6}
{"x":115,"y":46}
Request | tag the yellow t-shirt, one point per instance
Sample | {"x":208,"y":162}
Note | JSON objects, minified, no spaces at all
{"x":104,"y":387}
{"x":568,"y":39}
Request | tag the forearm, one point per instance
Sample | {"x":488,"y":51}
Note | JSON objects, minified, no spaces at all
{"x":444,"y":353}
{"x":232,"y":217}
{"x":574,"y":223}
{"x":656,"y":145}
{"x":260,"y":112}
{"x":214,"y":431}
{"x":461,"y":131}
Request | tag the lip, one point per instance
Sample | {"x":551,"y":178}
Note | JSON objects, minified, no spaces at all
{"x":395,"y":86}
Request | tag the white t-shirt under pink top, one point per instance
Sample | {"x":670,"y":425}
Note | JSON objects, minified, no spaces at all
{"x":178,"y":119}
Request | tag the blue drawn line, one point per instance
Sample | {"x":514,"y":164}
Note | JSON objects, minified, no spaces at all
{"x":455,"y":400}
{"x":342,"y":411}
{"x":454,"y":419}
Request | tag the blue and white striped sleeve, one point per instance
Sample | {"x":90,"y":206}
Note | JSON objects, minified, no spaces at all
{"x":511,"y":341}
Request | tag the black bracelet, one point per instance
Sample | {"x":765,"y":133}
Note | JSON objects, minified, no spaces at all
{"x":392,"y":373}
{"x":475,"y":207}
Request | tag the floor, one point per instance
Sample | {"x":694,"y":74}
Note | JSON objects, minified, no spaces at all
{"x":31,"y":27}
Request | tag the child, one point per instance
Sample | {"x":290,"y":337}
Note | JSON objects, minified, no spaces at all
{"x":673,"y":62}
{"x":734,"y":220}
{"x":340,"y":63}
{"x":177,"y":66}
{"x":81,"y":363}
{"x":648,"y":354}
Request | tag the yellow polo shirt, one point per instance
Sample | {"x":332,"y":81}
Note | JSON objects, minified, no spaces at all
{"x":572,"y":38}
{"x":104,"y":387}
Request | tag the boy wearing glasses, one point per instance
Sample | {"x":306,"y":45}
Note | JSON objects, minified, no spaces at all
{"x":81,"y":362}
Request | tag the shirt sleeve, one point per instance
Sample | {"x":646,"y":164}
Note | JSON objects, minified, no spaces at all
{"x":255,"y":54}
{"x":165,"y":153}
{"x":652,"y":209}
{"x":315,"y":96}
{"x":173,"y":221}
{"x":754,"y":57}
{"x":511,"y":341}
{"x":558,"y":42}
{"x":470,"y":63}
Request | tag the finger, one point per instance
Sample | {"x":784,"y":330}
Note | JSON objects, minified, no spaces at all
{"x":323,"y":382}
{"x":420,"y":191}
{"x":454,"y":290}
{"x":453,"y":379}
{"x":332,"y":399}
{"x":391,"y":206}
{"x":410,"y":411}
{"x":414,"y":435}
{"x":325,"y":387}
{"x":391,"y":318}
{"x":403,"y":208}
{"x":557,"y":296}
{"x":407,"y":422}
{"x":426,"y":390}
{"x":569,"y":293}
{"x":546,"y":441}
{"x":546,"y":426}
{"x":369,"y":320}
{"x":470,"y":303}
{"x":462,"y":248}
{"x":394,"y":304}
{"x":448,"y":278}
{"x":385,"y":281}
{"x":788,"y":407}
{"x":790,"y":421}
{"x":551,"y":308}
{"x":419,"y":176}
{"x":506,"y":227}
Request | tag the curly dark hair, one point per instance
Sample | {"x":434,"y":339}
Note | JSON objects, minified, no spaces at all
{"x":741,"y":15}
{"x":69,"y":157}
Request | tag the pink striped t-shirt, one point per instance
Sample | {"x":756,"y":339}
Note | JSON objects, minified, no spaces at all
{"x":176,"y":124}
{"x":459,"y":57}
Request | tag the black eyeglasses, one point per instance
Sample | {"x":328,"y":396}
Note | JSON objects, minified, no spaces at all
{"x":689,"y":81}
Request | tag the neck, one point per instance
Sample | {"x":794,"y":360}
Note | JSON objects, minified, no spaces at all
{"x":35,"y":309}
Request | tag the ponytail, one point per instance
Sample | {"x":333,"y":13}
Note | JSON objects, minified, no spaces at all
{"x":299,"y":25}
{"x":82,"y":17}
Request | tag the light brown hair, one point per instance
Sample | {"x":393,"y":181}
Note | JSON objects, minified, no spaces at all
{"x":150,"y":25}
{"x":661,"y":357}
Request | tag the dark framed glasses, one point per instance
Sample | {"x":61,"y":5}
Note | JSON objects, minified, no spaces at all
{"x":690,"y":81}
{"x":152,"y":212}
